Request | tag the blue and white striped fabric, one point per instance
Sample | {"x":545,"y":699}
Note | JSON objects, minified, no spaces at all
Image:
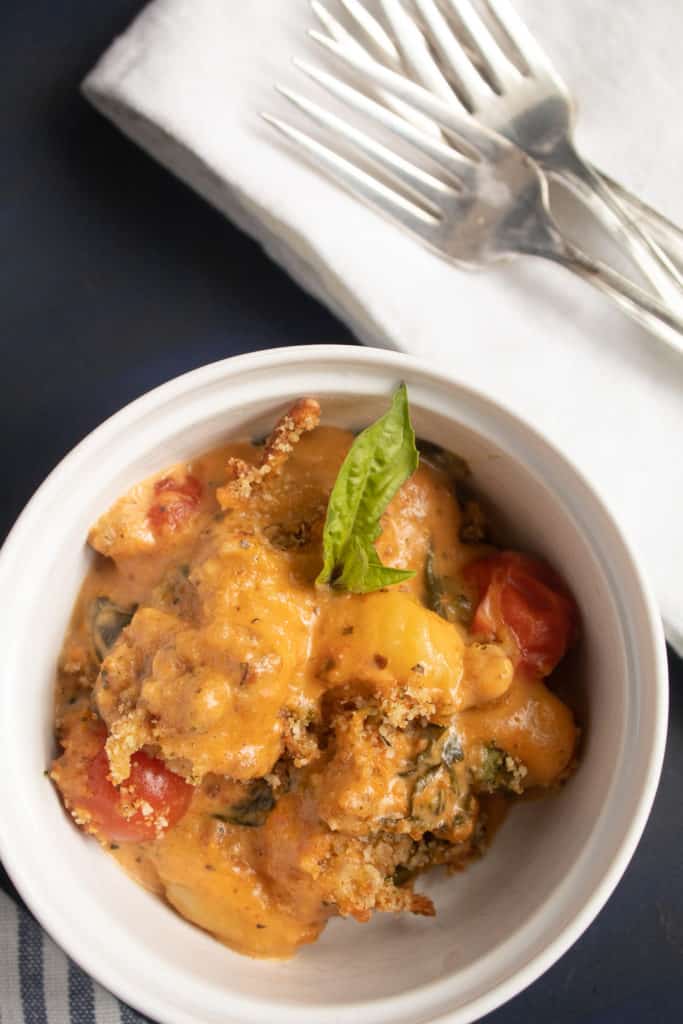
{"x":39,"y":984}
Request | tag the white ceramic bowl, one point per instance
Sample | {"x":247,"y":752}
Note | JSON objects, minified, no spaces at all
{"x":553,"y":864}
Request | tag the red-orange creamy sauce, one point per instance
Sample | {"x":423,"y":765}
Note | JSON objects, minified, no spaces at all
{"x":265,"y":753}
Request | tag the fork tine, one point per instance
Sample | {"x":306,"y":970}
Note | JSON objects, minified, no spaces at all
{"x":471,"y":85}
{"x":343,"y":36}
{"x":379,"y":40}
{"x":338,"y":32}
{"x":444,"y":156}
{"x":335,"y":29}
{"x":519,"y":35}
{"x":497,"y":65}
{"x":414,"y":51}
{"x":363,"y":185}
{"x":458,"y":123}
{"x":422,"y":187}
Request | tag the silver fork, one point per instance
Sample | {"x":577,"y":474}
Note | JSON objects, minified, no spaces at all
{"x":487,"y":205}
{"x":533,"y":109}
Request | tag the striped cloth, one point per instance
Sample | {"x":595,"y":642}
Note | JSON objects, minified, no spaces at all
{"x":39,"y":984}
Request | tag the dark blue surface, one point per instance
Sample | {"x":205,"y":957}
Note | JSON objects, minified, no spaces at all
{"x":114,"y":278}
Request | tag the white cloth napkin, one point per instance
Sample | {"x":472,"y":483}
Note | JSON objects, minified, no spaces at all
{"x":187,"y":82}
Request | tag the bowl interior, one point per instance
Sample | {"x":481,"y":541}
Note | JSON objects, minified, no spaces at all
{"x":553,"y":862}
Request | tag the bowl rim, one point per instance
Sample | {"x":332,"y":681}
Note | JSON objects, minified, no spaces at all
{"x":516,"y":979}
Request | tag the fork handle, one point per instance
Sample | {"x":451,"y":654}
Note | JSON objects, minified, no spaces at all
{"x":644,"y":308}
{"x":667,"y":234}
{"x":654,"y":263}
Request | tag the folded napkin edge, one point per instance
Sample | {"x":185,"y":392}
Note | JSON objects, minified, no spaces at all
{"x":289,"y":248}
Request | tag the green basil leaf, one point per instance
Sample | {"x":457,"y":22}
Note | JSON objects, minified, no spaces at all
{"x":380,"y":459}
{"x":363,"y":571}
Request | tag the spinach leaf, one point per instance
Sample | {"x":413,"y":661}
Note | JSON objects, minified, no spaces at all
{"x":454,"y":607}
{"x":107,"y":620}
{"x":253,"y":810}
{"x":498,"y":770}
{"x":380,"y":459}
{"x":434,"y":588}
{"x":437,"y":798}
{"x":452,"y":750}
{"x":448,"y":462}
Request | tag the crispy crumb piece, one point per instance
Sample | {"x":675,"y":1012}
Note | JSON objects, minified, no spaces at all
{"x":128,"y":735}
{"x":302,"y":417}
{"x":421,"y":904}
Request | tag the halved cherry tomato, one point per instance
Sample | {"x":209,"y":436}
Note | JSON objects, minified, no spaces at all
{"x":523,"y":597}
{"x":151,"y":787}
{"x":178,"y":501}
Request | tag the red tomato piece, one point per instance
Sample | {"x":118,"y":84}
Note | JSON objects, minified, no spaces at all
{"x":151,"y":785}
{"x":523,"y":597}
{"x":179,"y":500}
